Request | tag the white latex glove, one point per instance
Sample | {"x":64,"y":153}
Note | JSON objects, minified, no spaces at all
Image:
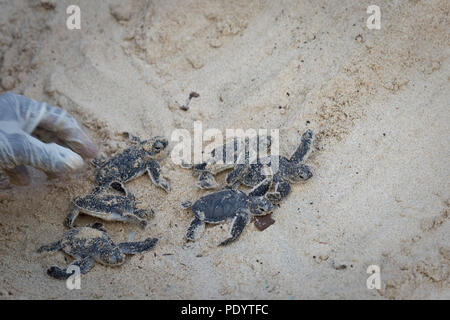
{"x":19,"y":116}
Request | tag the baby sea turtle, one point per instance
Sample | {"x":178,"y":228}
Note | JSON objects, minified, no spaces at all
{"x":132,"y":163}
{"x":109,"y":207}
{"x":226,"y":157}
{"x":288,"y":170}
{"x":228,"y":204}
{"x":91,"y":244}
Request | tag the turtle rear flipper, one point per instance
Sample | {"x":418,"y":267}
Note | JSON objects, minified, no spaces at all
{"x":304,"y":148}
{"x":154,"y":172}
{"x":137,"y":246}
{"x":58,"y":273}
{"x":84,"y":264}
{"x":50,"y":247}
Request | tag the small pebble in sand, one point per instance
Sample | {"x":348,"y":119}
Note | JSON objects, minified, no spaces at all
{"x":339,"y":266}
{"x":263,"y":222}
{"x":48,"y":4}
{"x":8,"y":83}
{"x":215,"y":43}
{"x":359,"y":38}
{"x":185,"y":106}
{"x":121,"y":11}
{"x":195,"y":61}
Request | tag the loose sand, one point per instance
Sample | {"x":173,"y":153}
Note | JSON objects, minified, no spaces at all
{"x":377,"y":99}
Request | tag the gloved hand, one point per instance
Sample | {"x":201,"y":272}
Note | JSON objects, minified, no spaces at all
{"x":19,"y":117}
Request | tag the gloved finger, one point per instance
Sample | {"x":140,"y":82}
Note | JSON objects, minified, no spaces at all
{"x":30,"y":114}
{"x":67,"y":129}
{"x":19,"y":176}
{"x":23,"y":149}
{"x":78,"y":141}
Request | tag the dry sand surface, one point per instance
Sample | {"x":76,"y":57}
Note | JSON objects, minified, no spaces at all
{"x":378,"y":101}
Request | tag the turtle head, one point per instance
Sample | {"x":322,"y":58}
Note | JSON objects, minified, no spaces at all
{"x":200,"y":167}
{"x":111,"y":256}
{"x":154,"y":145}
{"x":299,"y":172}
{"x":260,"y":205}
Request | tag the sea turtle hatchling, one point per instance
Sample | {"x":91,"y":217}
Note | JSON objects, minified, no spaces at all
{"x":90,"y":244}
{"x":132,"y":163}
{"x":228,"y":204}
{"x":109,"y":207}
{"x":226,"y":156}
{"x":289,"y":170}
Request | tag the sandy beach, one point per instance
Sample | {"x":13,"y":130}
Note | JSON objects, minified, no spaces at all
{"x":377,"y":100}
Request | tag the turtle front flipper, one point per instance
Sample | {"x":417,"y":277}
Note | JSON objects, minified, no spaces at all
{"x":84,"y":265}
{"x":261,"y":189}
{"x":137,"y":246}
{"x":234,"y":176}
{"x":134,"y":139}
{"x":206,"y":181}
{"x":73,"y":214}
{"x":187,"y":204}
{"x":195,"y":229}
{"x":142,"y":222}
{"x":144,"y":213}
{"x":237,"y":226}
{"x":304,"y":147}
{"x":154,"y":172}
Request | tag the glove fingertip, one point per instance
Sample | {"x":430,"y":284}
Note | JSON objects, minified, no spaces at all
{"x":89,"y":150}
{"x":64,"y":159}
{"x":73,"y":161}
{"x":78,"y":141}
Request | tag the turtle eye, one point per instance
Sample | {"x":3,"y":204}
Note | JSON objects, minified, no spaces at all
{"x":306,"y":174}
{"x":159,"y":145}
